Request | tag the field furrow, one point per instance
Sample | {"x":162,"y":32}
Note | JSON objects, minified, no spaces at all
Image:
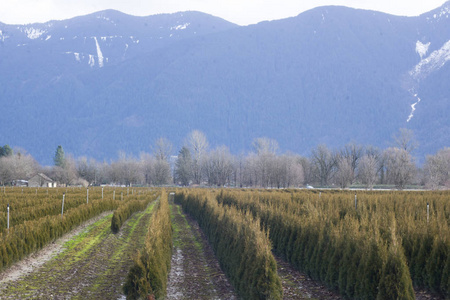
{"x":93,"y":264}
{"x":195,"y":272}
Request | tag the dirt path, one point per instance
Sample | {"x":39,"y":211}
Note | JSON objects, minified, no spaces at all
{"x":195,"y":272}
{"x":92,"y":265}
{"x":298,"y":286}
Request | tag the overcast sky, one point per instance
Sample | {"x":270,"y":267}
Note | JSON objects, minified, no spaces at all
{"x":242,"y":12}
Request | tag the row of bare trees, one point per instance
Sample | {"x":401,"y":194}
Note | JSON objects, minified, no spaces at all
{"x":264,"y":166}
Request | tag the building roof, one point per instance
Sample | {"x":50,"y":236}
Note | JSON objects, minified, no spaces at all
{"x":43,"y":176}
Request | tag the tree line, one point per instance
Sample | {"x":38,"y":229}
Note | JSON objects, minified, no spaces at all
{"x":265,"y":166}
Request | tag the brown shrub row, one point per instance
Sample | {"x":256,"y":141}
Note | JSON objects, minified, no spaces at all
{"x":148,"y":276}
{"x":23,"y":239}
{"x":242,"y":248}
{"x":351,"y":249}
{"x":125,"y":210}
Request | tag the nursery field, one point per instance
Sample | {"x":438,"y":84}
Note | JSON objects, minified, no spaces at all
{"x":225,"y":244}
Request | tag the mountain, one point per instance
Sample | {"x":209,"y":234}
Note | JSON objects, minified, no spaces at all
{"x":108,"y":81}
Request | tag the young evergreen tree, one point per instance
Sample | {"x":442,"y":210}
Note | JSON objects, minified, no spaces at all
{"x":395,"y":280}
{"x":6,"y":151}
{"x":59,"y":158}
{"x":183,"y":167}
{"x":445,"y":282}
{"x":434,"y":267}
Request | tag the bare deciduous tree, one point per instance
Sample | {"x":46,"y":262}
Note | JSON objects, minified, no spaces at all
{"x":352,"y":153}
{"x":198,"y":145}
{"x":18,"y":165}
{"x":404,"y":139}
{"x":67,"y":174}
{"x":219,"y":166}
{"x":323,"y":162}
{"x":367,"y":170}
{"x":162,"y":149}
{"x":88,"y":170}
{"x":344,"y":171}
{"x":147,"y":163}
{"x":400,"y":167}
{"x":437,"y":169}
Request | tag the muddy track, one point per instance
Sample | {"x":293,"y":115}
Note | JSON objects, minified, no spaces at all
{"x":93,"y":265}
{"x":195,"y":272}
{"x":299,"y":286}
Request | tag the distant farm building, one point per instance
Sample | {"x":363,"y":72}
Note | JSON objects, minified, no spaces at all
{"x":41,"y":180}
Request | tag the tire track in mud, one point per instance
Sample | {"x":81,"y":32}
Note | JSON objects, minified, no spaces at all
{"x":94,"y":264}
{"x":195,"y":272}
{"x":299,"y":286}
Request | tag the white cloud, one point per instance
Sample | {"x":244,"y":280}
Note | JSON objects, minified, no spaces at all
{"x":238,"y":11}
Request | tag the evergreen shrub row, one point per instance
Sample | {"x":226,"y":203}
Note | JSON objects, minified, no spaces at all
{"x":30,"y":236}
{"x":363,"y":253}
{"x":242,"y":248}
{"x":125,"y":210}
{"x":147,"y":278}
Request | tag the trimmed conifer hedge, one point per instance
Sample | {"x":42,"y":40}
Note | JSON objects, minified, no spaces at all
{"x":148,"y":276}
{"x":349,"y":249}
{"x":242,"y":248}
{"x":124,"y":211}
{"x":31,"y":236}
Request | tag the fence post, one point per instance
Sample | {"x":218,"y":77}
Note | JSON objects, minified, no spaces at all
{"x":121,"y":196}
{"x":114,"y":195}
{"x":356,"y":202}
{"x":62,"y":208}
{"x":428,"y":212}
{"x":87,"y":196}
{"x":7,"y":209}
{"x":102,"y":193}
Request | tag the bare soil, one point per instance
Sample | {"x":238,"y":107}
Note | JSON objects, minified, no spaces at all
{"x":195,"y":272}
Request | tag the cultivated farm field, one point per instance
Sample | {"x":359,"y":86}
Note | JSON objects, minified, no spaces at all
{"x":147,"y":243}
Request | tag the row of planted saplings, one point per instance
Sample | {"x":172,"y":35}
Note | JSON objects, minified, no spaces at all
{"x":357,"y":250}
{"x":18,"y":210}
{"x":147,"y":278}
{"x":31,"y":235}
{"x":242,"y":248}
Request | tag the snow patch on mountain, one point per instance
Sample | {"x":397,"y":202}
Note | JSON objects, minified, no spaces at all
{"x":99,"y":53}
{"x":413,"y":108}
{"x":102,"y":17}
{"x":32,"y":33}
{"x":91,"y":60}
{"x":134,"y":40}
{"x":3,"y":36}
{"x":422,"y":49}
{"x":180,"y":27}
{"x":444,"y":13}
{"x":436,"y":60}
